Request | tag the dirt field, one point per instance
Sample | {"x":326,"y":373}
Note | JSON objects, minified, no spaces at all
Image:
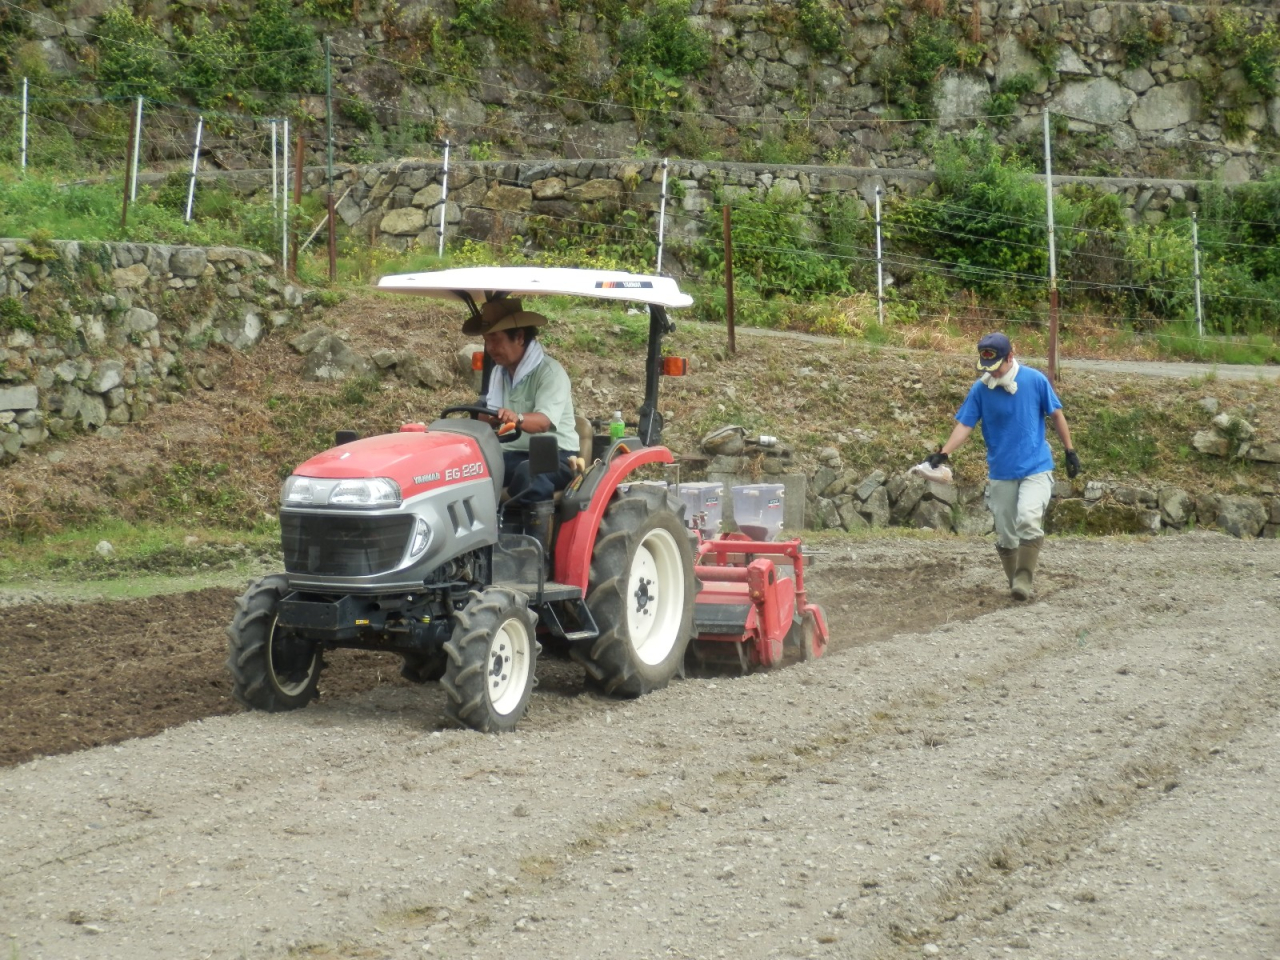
{"x":1092,"y":775}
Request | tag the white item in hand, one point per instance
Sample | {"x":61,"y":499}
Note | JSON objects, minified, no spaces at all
{"x":938,"y":474}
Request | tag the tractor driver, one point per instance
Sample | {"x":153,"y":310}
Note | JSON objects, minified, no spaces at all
{"x":528,"y":389}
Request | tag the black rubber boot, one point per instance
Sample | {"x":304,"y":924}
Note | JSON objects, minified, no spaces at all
{"x":1008,"y":560}
{"x":1024,"y":575}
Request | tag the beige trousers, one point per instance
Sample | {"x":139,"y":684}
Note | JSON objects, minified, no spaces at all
{"x":1018,"y":507}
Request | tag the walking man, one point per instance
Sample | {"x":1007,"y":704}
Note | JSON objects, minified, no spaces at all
{"x":1012,"y":402}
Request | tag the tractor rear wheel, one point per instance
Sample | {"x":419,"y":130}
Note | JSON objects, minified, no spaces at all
{"x":641,"y":596}
{"x":271,"y":669}
{"x":491,"y":659}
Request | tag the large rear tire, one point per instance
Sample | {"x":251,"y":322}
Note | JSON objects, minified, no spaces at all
{"x":641,"y":596}
{"x":270,"y":669}
{"x":492,"y":656}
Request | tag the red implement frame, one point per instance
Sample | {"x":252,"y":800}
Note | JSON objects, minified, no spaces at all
{"x":749,"y":599}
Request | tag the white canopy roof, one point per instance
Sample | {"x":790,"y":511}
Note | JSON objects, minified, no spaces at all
{"x":480,"y":282}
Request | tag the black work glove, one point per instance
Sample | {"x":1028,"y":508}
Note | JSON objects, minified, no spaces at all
{"x":936,"y":460}
{"x":1073,"y":464}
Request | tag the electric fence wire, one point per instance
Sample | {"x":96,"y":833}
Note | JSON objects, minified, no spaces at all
{"x":1019,"y":280}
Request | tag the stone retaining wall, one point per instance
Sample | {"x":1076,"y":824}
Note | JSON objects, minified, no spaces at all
{"x":400,"y":204}
{"x":91,"y":334}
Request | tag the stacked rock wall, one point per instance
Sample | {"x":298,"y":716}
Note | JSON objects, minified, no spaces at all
{"x":92,"y":335}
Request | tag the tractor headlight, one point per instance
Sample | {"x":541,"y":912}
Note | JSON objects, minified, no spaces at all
{"x":374,"y":492}
{"x":421,"y":538}
{"x":313,"y":492}
{"x":298,"y":491}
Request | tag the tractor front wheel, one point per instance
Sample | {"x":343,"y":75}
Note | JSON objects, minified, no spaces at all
{"x":491,"y":659}
{"x":271,"y":669}
{"x":641,"y":596}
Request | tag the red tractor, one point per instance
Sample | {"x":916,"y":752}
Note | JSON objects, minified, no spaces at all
{"x":397,"y":543}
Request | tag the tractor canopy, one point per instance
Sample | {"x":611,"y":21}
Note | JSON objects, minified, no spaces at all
{"x":475,"y":286}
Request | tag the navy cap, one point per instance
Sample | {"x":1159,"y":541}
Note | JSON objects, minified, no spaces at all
{"x":992,"y":351}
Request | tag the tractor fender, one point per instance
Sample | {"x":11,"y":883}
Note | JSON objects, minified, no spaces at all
{"x":576,"y":540}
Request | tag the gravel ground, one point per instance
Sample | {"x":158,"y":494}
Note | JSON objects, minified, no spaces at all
{"x":1091,"y":775}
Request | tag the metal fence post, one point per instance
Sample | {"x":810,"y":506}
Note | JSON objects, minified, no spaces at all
{"x":662,"y":217}
{"x":24,"y":123}
{"x":444,"y":198}
{"x":284,"y":192}
{"x":137,"y":149}
{"x":1195,"y":252}
{"x":1053,"y":256}
{"x":879,"y":261}
{"x":195,"y":163}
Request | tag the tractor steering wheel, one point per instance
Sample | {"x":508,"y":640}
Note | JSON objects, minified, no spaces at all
{"x":477,"y":410}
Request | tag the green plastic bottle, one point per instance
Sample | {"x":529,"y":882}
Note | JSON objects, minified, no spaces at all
{"x":617,"y":429}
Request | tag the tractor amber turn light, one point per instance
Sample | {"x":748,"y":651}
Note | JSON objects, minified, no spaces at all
{"x":477,"y":360}
{"x":674,"y":366}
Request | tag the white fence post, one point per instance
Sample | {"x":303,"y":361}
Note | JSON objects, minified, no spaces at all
{"x":275,"y":174}
{"x":284,"y":192}
{"x":24,"y":123}
{"x":1195,"y":251}
{"x":879,"y":261}
{"x":137,"y":146}
{"x":444,"y":198}
{"x":1053,"y":253}
{"x":195,"y":163}
{"x":662,"y":217}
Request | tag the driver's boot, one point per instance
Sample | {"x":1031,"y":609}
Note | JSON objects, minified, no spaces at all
{"x":1028,"y":555}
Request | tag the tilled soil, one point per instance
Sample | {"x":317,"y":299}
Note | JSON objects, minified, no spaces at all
{"x":1089,"y":775}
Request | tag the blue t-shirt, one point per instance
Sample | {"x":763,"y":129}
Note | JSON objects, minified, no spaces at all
{"x":1013,"y":424}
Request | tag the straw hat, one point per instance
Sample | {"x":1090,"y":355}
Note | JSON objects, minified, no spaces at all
{"x":505,"y":314}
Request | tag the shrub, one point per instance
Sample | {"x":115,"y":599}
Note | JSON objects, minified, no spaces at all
{"x":133,"y":57}
{"x":212,"y":61}
{"x":820,"y":26}
{"x":987,"y":223}
{"x":283,"y":52}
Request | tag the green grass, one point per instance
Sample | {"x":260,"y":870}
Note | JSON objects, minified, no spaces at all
{"x":1181,"y":342}
{"x":148,"y":553}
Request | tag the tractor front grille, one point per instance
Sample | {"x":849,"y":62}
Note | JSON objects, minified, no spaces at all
{"x":326,"y":545}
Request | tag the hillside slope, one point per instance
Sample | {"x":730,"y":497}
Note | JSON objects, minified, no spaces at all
{"x":217,"y":456}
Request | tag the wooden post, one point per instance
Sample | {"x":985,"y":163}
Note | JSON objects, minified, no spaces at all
{"x":297,"y":199}
{"x":333,"y":242}
{"x":128,"y":166}
{"x":728,"y":280}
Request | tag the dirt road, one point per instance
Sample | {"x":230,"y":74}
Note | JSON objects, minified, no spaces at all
{"x":1092,"y":775}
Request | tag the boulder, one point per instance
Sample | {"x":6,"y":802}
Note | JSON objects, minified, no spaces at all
{"x":1241,"y":516}
{"x":1167,"y":107}
{"x":932,"y":514}
{"x":1211,"y":443}
{"x":1176,"y":506}
{"x":1262,"y":452}
{"x":108,"y":376}
{"x":826,"y":516}
{"x":422,"y":372}
{"x":130,"y":278}
{"x":875,"y":509}
{"x":1101,"y":101}
{"x":407,"y":221}
{"x":332,"y":359}
{"x":870,"y":484}
{"x":23,"y":397}
{"x":188,"y":262}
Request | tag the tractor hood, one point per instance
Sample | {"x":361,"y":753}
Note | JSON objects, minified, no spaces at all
{"x":416,"y":459}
